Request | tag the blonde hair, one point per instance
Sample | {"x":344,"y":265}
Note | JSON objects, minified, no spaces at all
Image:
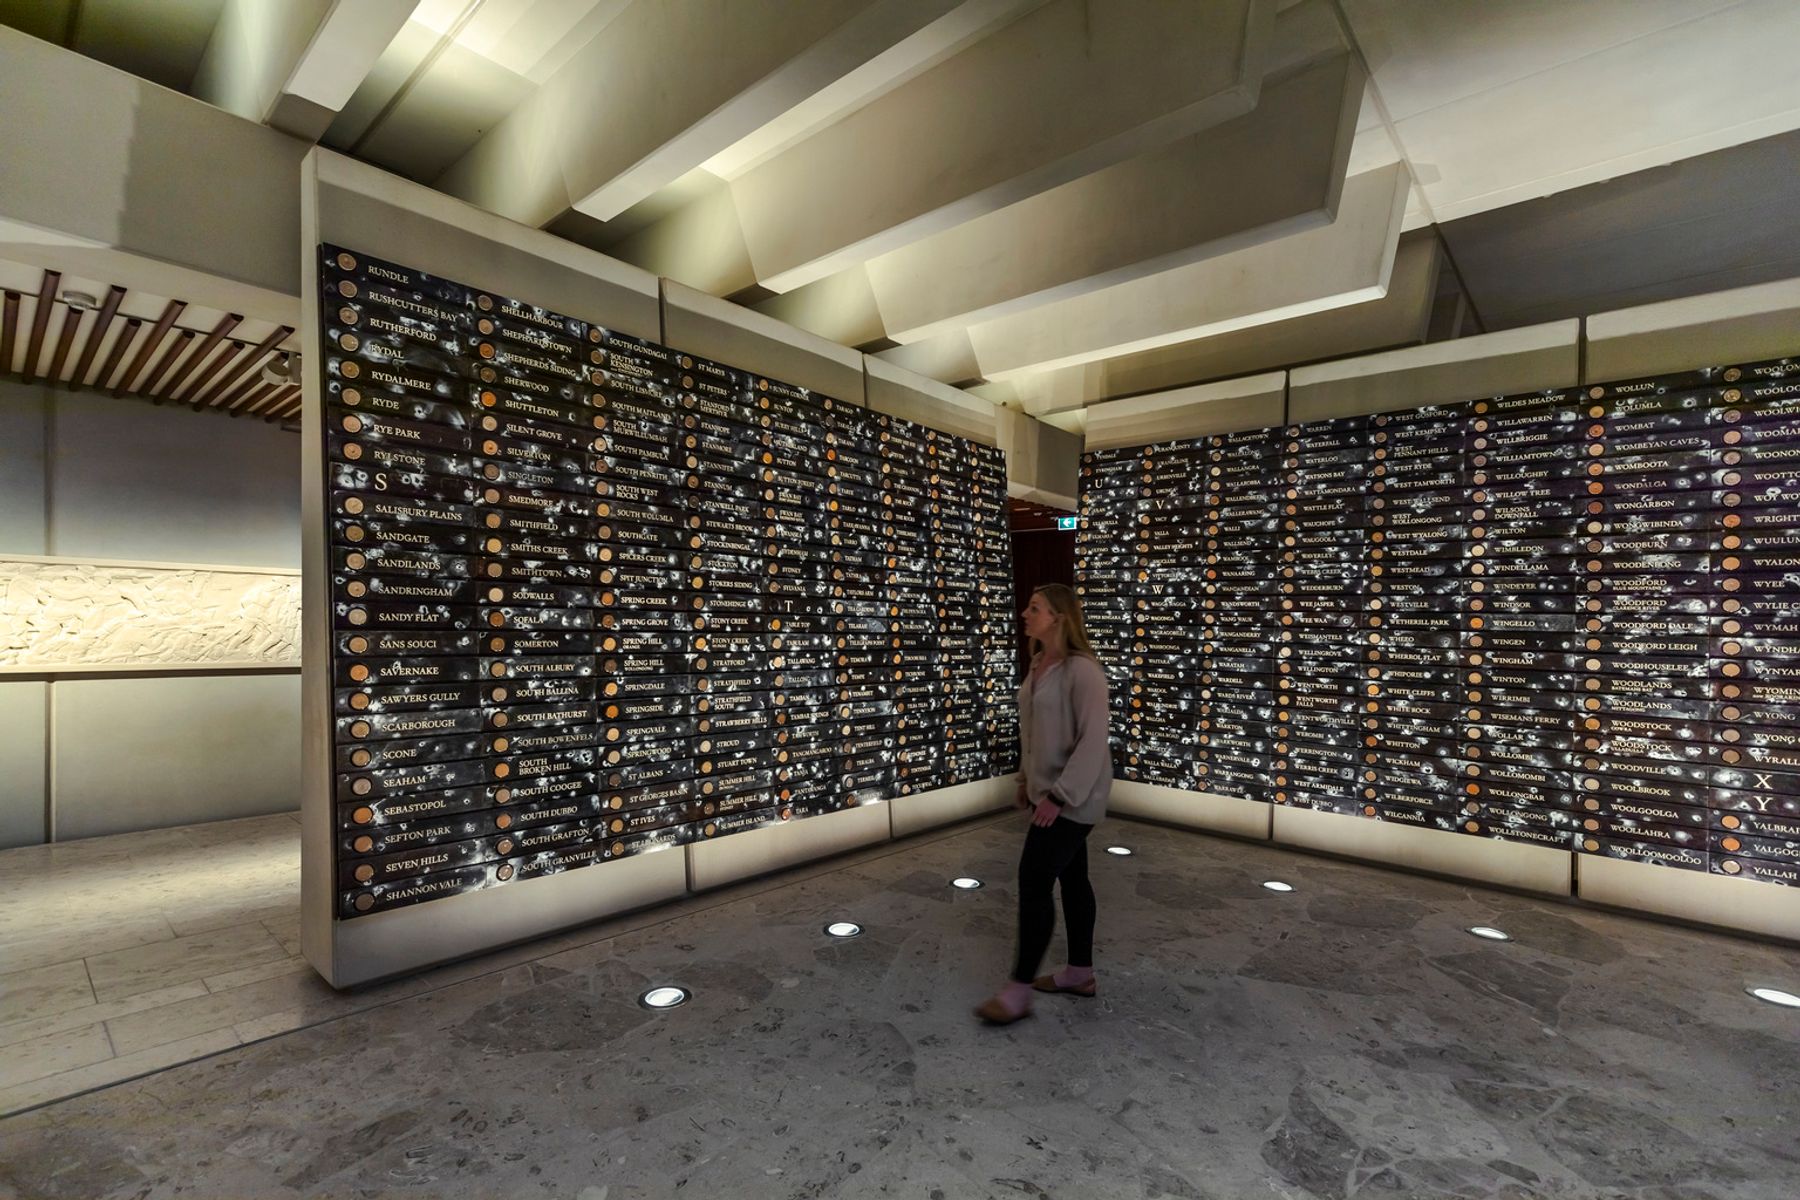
{"x":1066,"y":604}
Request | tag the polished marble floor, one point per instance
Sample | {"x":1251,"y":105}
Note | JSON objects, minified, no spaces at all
{"x":1347,"y":1039}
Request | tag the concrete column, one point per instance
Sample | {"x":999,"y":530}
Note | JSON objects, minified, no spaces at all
{"x":1043,"y":463}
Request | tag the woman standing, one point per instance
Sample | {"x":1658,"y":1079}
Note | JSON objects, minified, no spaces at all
{"x":1065,"y":777}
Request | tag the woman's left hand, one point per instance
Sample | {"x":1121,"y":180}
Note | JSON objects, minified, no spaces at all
{"x":1046,"y":812}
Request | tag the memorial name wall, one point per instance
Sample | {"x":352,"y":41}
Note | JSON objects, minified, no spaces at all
{"x":1568,"y":618}
{"x":593,"y":597}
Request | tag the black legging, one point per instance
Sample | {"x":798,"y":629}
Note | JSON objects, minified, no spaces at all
{"x":1053,"y":852}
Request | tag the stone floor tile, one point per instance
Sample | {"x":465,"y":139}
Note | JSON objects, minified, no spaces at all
{"x":53,"y":1053}
{"x":61,"y":942}
{"x":239,"y":909}
{"x":285,"y":929}
{"x":272,"y":1024}
{"x":145,"y":968}
{"x":243,"y":976}
{"x":111,"y":1071}
{"x":221,"y":1010}
{"x":14,"y":1032}
{"x":37,"y":990}
{"x":242,"y":829}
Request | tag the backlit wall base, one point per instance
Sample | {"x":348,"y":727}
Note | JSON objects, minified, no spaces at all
{"x":1482,"y":860}
{"x":945,"y":806}
{"x":774,"y":847}
{"x":402,"y":940}
{"x":1192,"y":810}
{"x":1696,"y":896}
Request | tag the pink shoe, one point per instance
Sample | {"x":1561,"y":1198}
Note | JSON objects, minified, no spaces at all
{"x":993,"y":1010}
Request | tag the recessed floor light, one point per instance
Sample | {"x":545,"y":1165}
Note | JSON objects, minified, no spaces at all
{"x":1775,"y":996}
{"x":1490,"y":933}
{"x":1121,"y":851}
{"x":844,"y":929}
{"x":965,"y":883}
{"x":1275,"y":885}
{"x":664,"y":997}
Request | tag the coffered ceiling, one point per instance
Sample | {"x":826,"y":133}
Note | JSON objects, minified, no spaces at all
{"x":1058,"y":201}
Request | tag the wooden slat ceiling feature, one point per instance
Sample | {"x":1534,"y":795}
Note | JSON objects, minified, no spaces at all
{"x":108,"y":310}
{"x":39,"y":321}
{"x":151,"y":341}
{"x":226,"y":324}
{"x":9,"y":327}
{"x":160,"y":372}
{"x":65,"y":339}
{"x":232,"y":366}
{"x":261,"y":396}
{"x":144,"y":351}
{"x":120,"y":345}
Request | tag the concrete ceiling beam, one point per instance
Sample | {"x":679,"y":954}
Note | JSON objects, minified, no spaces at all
{"x":629,"y":114}
{"x":294,"y":65}
{"x":107,"y":187}
{"x":1068,"y":89}
{"x":1400,"y":318}
{"x":1277,"y":171}
{"x":1346,"y":262}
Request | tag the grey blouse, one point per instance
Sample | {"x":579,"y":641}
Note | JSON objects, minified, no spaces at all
{"x":1063,"y":747}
